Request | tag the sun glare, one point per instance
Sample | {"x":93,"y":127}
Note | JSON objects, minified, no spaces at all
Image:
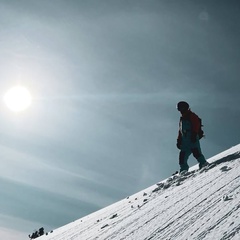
{"x":18,"y":99}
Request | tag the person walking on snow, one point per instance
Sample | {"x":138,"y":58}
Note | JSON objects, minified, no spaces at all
{"x":188,"y":137}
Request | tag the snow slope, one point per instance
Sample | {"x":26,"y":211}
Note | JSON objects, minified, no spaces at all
{"x":198,"y":205}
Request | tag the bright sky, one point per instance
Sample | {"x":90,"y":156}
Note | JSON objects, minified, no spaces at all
{"x":104,"y":78}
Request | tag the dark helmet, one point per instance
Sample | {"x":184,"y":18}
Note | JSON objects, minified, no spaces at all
{"x":182,"y":106}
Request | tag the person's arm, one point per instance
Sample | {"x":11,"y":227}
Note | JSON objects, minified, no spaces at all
{"x":179,"y":138}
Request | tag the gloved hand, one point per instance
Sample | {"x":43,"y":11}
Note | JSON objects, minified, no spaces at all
{"x":193,"y":137}
{"x":179,"y":144}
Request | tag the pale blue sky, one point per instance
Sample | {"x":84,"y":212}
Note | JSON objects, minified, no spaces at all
{"x":105,"y":77}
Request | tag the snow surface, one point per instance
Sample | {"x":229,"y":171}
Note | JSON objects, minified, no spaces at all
{"x":197,"y":205}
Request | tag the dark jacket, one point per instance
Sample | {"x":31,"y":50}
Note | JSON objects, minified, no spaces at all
{"x":189,"y":125}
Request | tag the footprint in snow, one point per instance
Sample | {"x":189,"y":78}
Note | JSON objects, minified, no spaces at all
{"x":225,"y":168}
{"x":227,"y":198}
{"x":104,"y":226}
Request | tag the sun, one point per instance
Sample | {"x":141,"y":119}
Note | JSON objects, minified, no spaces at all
{"x":18,"y":98}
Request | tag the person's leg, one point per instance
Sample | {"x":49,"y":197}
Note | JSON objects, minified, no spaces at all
{"x":197,"y":153}
{"x":183,"y":158}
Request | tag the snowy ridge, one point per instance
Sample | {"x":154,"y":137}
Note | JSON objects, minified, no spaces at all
{"x":197,"y":205}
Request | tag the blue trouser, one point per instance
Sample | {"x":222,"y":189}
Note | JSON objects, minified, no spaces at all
{"x":188,"y":148}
